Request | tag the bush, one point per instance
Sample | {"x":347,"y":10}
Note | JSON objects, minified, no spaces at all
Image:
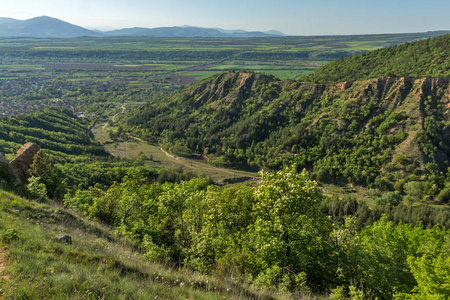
{"x":9,"y":235}
{"x":444,"y":195}
{"x":389,"y":198}
{"x":37,"y":189}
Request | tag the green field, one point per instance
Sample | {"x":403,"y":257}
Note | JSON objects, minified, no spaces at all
{"x":151,"y":58}
{"x":93,"y":76}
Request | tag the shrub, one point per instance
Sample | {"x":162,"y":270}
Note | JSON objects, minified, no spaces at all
{"x":391,"y":198}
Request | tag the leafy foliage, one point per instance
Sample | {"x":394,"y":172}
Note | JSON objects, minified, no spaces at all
{"x":289,"y":232}
{"x":272,"y":235}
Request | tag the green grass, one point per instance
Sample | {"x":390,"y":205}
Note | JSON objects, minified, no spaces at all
{"x":21,"y":67}
{"x":98,"y":265}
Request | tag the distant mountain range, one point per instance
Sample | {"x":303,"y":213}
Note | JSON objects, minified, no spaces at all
{"x":47,"y":27}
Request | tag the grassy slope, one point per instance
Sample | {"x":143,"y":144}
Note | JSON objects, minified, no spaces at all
{"x":98,"y":265}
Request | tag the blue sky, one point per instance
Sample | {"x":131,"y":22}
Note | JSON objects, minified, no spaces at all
{"x":294,"y":17}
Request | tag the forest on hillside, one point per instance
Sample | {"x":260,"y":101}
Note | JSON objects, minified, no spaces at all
{"x":425,"y":58}
{"x":286,"y":234}
{"x":281,"y":234}
{"x":278,"y":234}
{"x":358,"y":134}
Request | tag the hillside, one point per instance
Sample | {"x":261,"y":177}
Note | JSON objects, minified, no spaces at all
{"x":58,"y":131}
{"x":98,"y":264}
{"x":424,"y":58}
{"x":79,"y":160}
{"x":377,"y":132}
{"x":280,"y":237}
{"x":276,"y":242}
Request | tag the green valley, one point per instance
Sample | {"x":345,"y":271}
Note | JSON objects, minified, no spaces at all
{"x":166,"y":170}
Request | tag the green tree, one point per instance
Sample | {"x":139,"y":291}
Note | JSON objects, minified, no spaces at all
{"x":227,"y":215}
{"x":380,"y":257}
{"x":289,"y":238}
{"x":431,"y":268}
{"x":42,"y":167}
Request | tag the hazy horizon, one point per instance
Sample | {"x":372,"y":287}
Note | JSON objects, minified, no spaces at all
{"x":323,"y":17}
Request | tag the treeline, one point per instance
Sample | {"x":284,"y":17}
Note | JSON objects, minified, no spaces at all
{"x":280,"y":234}
{"x":425,"y":58}
{"x":339,"y":208}
{"x":143,"y":56}
{"x":103,"y":174}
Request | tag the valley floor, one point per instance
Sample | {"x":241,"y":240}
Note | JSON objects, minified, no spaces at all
{"x":157,"y":157}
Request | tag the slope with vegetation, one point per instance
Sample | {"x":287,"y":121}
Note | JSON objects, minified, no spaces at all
{"x":275,"y":235}
{"x":99,"y":264}
{"x":385,"y":133}
{"x":79,"y":160}
{"x":275,"y":240}
{"x":56,"y":130}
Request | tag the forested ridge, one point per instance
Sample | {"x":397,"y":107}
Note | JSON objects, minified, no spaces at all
{"x":79,"y":160}
{"x":424,"y":58}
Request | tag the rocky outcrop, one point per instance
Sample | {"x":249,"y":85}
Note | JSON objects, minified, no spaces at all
{"x":23,"y":161}
{"x":6,"y":168}
{"x":64,"y":238}
{"x":230,"y":88}
{"x":344,"y":85}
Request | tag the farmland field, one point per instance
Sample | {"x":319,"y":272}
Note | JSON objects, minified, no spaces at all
{"x":96,"y":76}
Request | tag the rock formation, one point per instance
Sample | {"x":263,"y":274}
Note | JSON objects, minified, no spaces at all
{"x":23,"y":161}
{"x":6,"y":167}
{"x":64,"y":238}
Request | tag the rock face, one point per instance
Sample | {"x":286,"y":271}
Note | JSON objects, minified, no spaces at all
{"x":24,"y":159}
{"x":345,"y":85}
{"x":6,"y":167}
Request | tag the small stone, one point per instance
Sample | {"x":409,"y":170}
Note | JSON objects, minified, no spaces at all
{"x":64,"y":238}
